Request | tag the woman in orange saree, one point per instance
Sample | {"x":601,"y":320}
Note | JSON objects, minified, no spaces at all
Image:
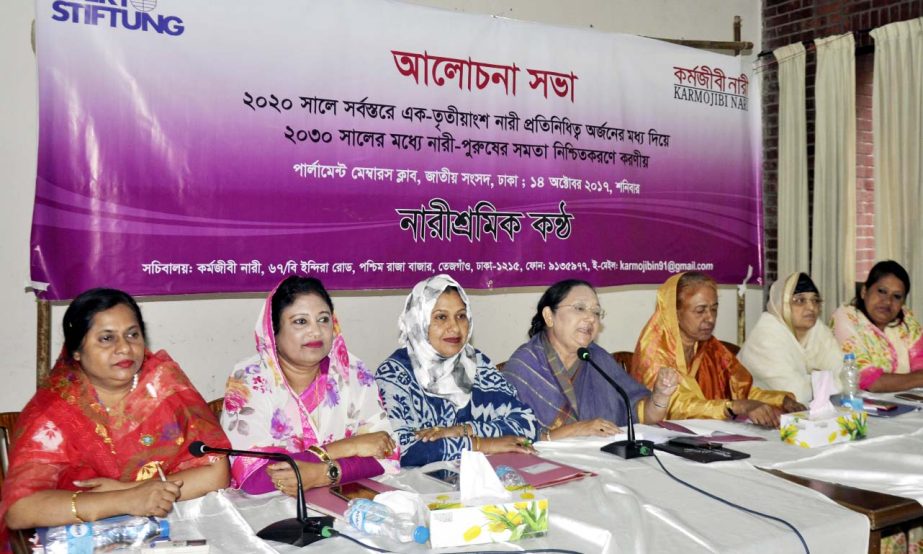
{"x":713,"y":383}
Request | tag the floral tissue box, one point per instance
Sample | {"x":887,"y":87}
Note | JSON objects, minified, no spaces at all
{"x":452,"y":523}
{"x":847,"y":425}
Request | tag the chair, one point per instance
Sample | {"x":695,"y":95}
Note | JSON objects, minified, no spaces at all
{"x":731,"y":346}
{"x":216,"y":406}
{"x":623,"y":357}
{"x":7,"y":423}
{"x":19,"y":541}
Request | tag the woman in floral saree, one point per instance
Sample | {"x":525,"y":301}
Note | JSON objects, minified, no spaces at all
{"x":882,"y":332}
{"x":110,"y":416}
{"x":303,"y":393}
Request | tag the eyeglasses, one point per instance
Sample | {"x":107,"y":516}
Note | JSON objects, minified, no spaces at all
{"x":583,"y":310}
{"x":802,"y":301}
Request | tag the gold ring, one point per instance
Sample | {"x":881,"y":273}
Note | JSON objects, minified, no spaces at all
{"x":279,"y":485}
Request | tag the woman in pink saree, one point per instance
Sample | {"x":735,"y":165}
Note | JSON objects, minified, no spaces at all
{"x":303,"y":393}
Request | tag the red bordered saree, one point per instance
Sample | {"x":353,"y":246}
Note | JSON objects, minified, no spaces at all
{"x":65,"y":434}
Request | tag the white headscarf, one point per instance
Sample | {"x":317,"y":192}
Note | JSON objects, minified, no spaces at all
{"x":780,"y":300}
{"x":774,"y":355}
{"x":450,"y":378}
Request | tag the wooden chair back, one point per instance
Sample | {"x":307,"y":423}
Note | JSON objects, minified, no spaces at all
{"x":7,"y":423}
{"x":624,"y":358}
{"x":19,"y":540}
{"x":731,"y":346}
{"x":216,"y":406}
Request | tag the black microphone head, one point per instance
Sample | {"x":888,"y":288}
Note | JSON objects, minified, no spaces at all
{"x":583,"y":353}
{"x":197,"y":449}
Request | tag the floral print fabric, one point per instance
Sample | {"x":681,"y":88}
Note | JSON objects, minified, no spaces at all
{"x":263,"y":413}
{"x":897,"y":349}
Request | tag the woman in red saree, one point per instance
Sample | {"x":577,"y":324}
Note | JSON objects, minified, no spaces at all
{"x":109,"y":416}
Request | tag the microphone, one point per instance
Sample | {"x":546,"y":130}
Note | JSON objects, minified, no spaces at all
{"x":299,"y":531}
{"x":630,"y":448}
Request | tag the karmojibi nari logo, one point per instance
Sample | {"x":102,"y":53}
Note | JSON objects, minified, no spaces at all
{"x":132,"y":15}
{"x":705,"y":85}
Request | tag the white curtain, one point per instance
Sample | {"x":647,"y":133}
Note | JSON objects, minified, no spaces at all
{"x":897,"y":126}
{"x":793,"y":161}
{"x":833,"y":251}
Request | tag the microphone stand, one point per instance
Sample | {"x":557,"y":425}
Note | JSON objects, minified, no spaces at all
{"x":298,"y":531}
{"x":630,"y":448}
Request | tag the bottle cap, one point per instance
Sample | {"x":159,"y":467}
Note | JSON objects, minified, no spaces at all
{"x":421,"y":534}
{"x":849,"y":357}
{"x":164,"y":527}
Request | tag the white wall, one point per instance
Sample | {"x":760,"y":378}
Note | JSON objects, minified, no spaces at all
{"x":18,"y":145}
{"x":207,"y":335}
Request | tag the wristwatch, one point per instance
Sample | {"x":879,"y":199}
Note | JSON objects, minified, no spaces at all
{"x":333,"y":468}
{"x":333,"y":472}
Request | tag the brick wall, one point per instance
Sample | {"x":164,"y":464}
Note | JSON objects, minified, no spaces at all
{"x":865,"y":176}
{"x":788,"y":21}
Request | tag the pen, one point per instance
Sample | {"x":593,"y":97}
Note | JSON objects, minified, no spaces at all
{"x":160,"y":472}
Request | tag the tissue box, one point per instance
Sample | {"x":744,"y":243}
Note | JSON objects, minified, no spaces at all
{"x":452,"y":523}
{"x":846,"y":425}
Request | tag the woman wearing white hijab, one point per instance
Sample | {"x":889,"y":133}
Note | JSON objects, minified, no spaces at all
{"x":443,"y":395}
{"x":789,"y":342}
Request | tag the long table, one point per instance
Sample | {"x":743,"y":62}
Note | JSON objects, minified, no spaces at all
{"x":887,"y":514}
{"x":633,"y":506}
{"x":880,"y":477}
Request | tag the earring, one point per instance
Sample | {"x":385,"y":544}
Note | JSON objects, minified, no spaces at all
{"x":134,"y":382}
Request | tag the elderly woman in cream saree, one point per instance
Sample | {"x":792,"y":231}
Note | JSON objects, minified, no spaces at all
{"x":789,"y":341}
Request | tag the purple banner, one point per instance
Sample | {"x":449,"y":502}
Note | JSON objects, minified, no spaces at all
{"x":202,"y":147}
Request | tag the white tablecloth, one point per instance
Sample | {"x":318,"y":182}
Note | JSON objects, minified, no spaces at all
{"x":633,"y":506}
{"x":889,"y":460}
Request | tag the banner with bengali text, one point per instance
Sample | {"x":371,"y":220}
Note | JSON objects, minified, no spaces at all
{"x":216,"y":146}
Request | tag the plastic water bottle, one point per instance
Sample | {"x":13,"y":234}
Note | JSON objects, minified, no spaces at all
{"x":374,"y":518}
{"x":511,"y":479}
{"x":850,"y":376}
{"x":120,"y":531}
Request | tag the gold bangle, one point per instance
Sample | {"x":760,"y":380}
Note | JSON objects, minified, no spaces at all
{"x":729,"y":409}
{"x":320,"y":453}
{"x":74,"y":507}
{"x":477,"y":443}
